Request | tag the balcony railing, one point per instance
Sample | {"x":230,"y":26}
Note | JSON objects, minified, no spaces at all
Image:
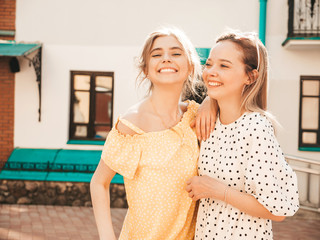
{"x":308,"y":173}
{"x":304,"y":18}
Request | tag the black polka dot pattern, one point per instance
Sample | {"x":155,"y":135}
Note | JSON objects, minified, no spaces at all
{"x":246,"y":156}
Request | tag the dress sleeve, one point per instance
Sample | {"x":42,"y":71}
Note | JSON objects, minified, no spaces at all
{"x":268,"y":177}
{"x":122,"y":153}
{"x":194,"y":106}
{"x":192,"y":109}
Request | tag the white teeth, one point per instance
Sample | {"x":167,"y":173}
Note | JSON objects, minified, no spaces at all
{"x":214,"y":84}
{"x":167,"y":70}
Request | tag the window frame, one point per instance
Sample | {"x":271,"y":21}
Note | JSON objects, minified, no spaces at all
{"x":92,"y":107}
{"x":306,"y":146}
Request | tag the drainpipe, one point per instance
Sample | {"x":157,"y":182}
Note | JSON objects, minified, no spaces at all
{"x":263,"y":20}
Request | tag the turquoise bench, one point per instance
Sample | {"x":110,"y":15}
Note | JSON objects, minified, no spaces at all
{"x":53,"y":165}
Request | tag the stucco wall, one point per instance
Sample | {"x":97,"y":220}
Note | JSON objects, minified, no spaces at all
{"x":107,"y":36}
{"x":286,"y":67}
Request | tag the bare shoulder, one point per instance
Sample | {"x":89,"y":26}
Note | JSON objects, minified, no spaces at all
{"x":133,"y":115}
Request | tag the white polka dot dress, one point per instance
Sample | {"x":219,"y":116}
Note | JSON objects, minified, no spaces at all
{"x":246,"y":156}
{"x":156,"y":167}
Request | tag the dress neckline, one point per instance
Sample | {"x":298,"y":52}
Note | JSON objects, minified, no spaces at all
{"x":139,"y":131}
{"x":234,"y":122}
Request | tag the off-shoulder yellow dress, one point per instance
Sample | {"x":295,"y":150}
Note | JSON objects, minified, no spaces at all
{"x":155,"y":167}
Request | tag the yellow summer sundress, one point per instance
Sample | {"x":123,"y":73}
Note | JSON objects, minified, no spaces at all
{"x":155,"y":167}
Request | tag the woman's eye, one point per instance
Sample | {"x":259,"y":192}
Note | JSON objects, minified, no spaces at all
{"x":224,"y":66}
{"x":156,"y":55}
{"x":176,"y":54}
{"x":207,"y":64}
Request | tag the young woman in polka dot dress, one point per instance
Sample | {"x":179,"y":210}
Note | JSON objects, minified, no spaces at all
{"x":154,"y":148}
{"x":244,"y":181}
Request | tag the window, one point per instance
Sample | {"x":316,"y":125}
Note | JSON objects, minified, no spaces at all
{"x":309,"y":122}
{"x":91,"y":105}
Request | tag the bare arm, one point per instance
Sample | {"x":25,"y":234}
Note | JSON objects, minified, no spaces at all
{"x":204,"y":187}
{"x":205,"y":119}
{"x":100,"y":196}
{"x":99,"y":188}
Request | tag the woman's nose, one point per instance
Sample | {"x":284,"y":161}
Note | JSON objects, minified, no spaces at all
{"x":166,"y":57}
{"x":212,"y":71}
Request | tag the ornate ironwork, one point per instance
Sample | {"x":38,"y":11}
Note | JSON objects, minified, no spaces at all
{"x":49,"y":167}
{"x":304,"y":18}
{"x":36,"y":62}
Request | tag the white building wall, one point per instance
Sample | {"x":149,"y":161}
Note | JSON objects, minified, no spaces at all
{"x":58,"y":61}
{"x":102,"y":35}
{"x":105,"y":22}
{"x":286,"y":67}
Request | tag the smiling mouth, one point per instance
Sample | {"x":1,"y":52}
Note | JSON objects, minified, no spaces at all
{"x":214,"y":84}
{"x":167,"y":70}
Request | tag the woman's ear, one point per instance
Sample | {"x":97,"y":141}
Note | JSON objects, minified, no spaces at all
{"x":252,"y":77}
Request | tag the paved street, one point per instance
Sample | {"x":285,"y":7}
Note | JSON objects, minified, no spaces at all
{"x":37,"y":222}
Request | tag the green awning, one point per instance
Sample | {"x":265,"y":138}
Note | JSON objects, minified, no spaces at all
{"x":14,"y":49}
{"x":17,"y":49}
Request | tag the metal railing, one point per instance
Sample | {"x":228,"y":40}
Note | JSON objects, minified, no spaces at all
{"x":49,"y":167}
{"x":304,"y":18}
{"x":309,"y":171}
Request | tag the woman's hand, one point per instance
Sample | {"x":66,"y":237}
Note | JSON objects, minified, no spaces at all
{"x":205,"y":187}
{"x":205,"y":118}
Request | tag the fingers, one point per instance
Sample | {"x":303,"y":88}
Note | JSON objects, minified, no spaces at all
{"x":198,"y":127}
{"x":189,"y":181}
{"x":193,"y":196}
{"x":193,"y":123}
{"x":208,"y":127}
{"x":189,"y":187}
{"x":212,"y":123}
{"x":203,"y":128}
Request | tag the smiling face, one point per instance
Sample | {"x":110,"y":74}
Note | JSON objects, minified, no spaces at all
{"x":167,"y":62}
{"x":224,"y":74}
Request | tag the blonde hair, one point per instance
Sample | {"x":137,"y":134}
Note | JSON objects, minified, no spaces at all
{"x":192,"y":56}
{"x":254,"y":57}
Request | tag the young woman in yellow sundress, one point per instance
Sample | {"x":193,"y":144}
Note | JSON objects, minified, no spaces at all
{"x":154,"y":148}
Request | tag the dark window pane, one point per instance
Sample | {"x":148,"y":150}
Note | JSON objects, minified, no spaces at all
{"x":82,"y":82}
{"x":81,"y":107}
{"x":103,"y":83}
{"x":103,"y":107}
{"x":102,"y":131}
